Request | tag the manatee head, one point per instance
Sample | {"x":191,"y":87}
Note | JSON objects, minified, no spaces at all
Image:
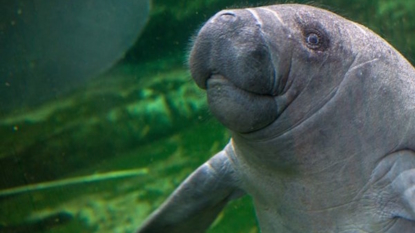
{"x":270,"y":65}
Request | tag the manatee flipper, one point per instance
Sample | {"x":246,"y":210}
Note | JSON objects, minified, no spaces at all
{"x":394,"y":181}
{"x":194,"y":205}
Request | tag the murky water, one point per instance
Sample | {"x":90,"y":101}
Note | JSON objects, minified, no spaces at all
{"x":102,"y":155}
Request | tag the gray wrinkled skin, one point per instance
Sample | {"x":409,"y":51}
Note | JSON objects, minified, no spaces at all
{"x":322,"y":115}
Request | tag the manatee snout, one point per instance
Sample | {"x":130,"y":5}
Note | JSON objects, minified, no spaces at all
{"x":231,"y":59}
{"x":231,"y":44}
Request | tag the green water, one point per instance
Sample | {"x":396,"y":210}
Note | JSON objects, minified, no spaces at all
{"x":144,"y":114}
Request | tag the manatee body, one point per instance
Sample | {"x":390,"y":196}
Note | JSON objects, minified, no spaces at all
{"x":322,"y":116}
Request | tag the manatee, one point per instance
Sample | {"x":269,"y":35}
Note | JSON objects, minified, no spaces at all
{"x":322,"y":116}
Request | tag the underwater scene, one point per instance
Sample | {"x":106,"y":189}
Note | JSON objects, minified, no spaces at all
{"x":100,"y":119}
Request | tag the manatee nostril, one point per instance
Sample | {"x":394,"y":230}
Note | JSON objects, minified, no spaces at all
{"x":228,"y":13}
{"x":227,"y":16}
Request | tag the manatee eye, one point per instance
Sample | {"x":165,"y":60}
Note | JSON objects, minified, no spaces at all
{"x":315,"y":37}
{"x":313,"y":40}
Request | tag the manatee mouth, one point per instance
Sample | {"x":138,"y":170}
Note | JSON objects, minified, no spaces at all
{"x":237,"y":109}
{"x":232,"y":60}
